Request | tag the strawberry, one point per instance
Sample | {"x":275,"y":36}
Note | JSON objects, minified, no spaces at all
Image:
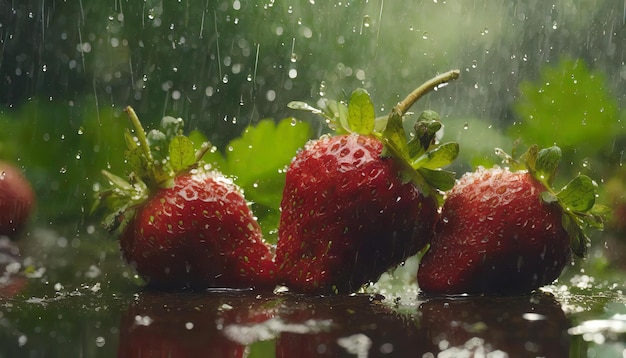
{"x":359,"y":203}
{"x":182,"y":224}
{"x":16,"y":199}
{"x":504,"y":231}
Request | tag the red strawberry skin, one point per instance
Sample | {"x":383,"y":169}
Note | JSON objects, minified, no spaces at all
{"x":199,"y":233}
{"x":347,"y":217}
{"x":16,"y":200}
{"x":495,"y":235}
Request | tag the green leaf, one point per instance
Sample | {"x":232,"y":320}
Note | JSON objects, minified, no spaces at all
{"x":578,"y":240}
{"x":337,"y":115}
{"x":440,"y":179}
{"x":394,"y":136}
{"x":438,"y":157}
{"x":260,"y":156}
{"x":361,"y":114}
{"x":578,"y":195}
{"x":547,"y":162}
{"x":258,"y":159}
{"x":182,"y":153}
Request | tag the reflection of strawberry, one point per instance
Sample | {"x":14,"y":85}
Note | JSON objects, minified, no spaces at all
{"x":16,"y":199}
{"x":357,"y":204}
{"x":344,"y":326}
{"x":174,"y":325}
{"x":506,"y":232}
{"x":525,"y":326}
{"x":184,"y":226}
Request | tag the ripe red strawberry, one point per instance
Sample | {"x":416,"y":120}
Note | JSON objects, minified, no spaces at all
{"x":16,"y":200}
{"x":183,"y":225}
{"x":504,"y":231}
{"x":357,"y":204}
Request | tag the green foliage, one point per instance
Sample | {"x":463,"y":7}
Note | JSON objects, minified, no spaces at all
{"x":569,"y":105}
{"x":258,"y":159}
{"x":361,"y":116}
{"x":62,"y":149}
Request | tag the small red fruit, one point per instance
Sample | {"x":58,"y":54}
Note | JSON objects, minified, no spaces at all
{"x":347,"y":216}
{"x":16,"y":200}
{"x":198,"y":233}
{"x":357,"y":204}
{"x":183,"y":225}
{"x":507,"y":232}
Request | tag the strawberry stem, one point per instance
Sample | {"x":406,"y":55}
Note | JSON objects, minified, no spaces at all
{"x":426,"y":87}
{"x":141,"y":133}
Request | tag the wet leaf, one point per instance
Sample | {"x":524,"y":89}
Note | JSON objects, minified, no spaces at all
{"x":438,"y":157}
{"x":361,"y":115}
{"x":394,"y":136}
{"x":182,"y":153}
{"x":547,"y":162}
{"x":440,"y":179}
{"x":578,"y":195}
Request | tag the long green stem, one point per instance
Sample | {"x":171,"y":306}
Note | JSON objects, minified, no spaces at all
{"x":426,"y":87}
{"x":141,"y":133}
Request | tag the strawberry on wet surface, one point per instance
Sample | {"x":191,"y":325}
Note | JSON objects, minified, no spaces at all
{"x":506,"y":232}
{"x":183,"y":224}
{"x":361,"y":202}
{"x":348,"y":216}
{"x":199,"y":233}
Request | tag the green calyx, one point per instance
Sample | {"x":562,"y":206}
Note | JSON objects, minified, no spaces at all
{"x":577,"y":198}
{"x":419,"y":154}
{"x":155,"y":159}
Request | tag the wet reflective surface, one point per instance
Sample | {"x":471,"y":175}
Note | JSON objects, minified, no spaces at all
{"x":109,"y":313}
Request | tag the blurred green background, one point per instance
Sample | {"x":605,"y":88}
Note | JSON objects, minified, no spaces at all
{"x":531,"y":72}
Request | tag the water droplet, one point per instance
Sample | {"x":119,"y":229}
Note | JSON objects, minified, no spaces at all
{"x":367,"y":21}
{"x":225,"y":78}
{"x":466,"y":125}
{"x":322,"y":90}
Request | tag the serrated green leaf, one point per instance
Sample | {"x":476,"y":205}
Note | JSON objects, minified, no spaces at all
{"x":263,"y":151}
{"x":361,"y":114}
{"x":578,"y":195}
{"x":438,"y":157}
{"x":136,"y":161}
{"x":440,"y":179}
{"x":182,"y":153}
